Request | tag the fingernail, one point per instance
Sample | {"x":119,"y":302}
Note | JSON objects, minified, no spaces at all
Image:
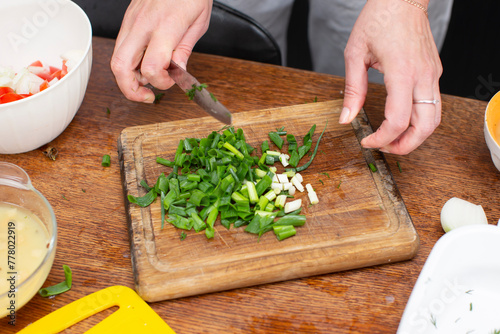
{"x":363,"y":143}
{"x":149,"y":99}
{"x":344,"y":115}
{"x":384,"y":150}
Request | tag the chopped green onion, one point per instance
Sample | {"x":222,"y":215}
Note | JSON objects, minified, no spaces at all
{"x":165,"y":162}
{"x":218,"y":174}
{"x":145,"y":200}
{"x":106,"y":160}
{"x":270,"y":195}
{"x":283,"y":232}
{"x":292,"y":143}
{"x":252,"y":192}
{"x":307,"y":141}
{"x":270,"y":160}
{"x":299,"y":169}
{"x":162,"y":196}
{"x":254,"y":225}
{"x":265,"y":146}
{"x":232,"y":149}
{"x":198,"y":223}
{"x":260,"y":173}
{"x":291,"y":219}
{"x":178,"y":154}
{"x":60,"y":287}
{"x":273,"y":153}
{"x":158,"y":97}
{"x":276,"y":139}
{"x":280,"y":201}
{"x":294,"y":158}
{"x":192,"y":92}
{"x":145,"y":185}
{"x":372,"y":167}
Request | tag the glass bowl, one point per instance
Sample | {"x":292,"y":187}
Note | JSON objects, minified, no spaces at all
{"x":28,"y":237}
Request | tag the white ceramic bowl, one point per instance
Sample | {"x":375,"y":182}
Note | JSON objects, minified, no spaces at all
{"x":42,"y":30}
{"x":457,"y":290}
{"x":492,"y":128}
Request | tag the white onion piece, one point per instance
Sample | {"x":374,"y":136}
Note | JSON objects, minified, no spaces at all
{"x":293,"y":205}
{"x":72,"y":58}
{"x":278,"y":186}
{"x":5,"y":81}
{"x":271,"y":195}
{"x":284,"y":159}
{"x":7,"y":72}
{"x":26,"y":82}
{"x":282,"y":178}
{"x":313,"y":197}
{"x":297,"y":183}
{"x":457,"y":212}
{"x":299,"y":177}
{"x":53,"y":81}
{"x":280,"y":201}
{"x":7,"y":75}
{"x":39,"y":70}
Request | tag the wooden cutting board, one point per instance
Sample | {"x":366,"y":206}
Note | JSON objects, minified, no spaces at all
{"x":360,"y":220}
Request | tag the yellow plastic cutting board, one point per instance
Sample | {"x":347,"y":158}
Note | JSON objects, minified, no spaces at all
{"x":134,"y":315}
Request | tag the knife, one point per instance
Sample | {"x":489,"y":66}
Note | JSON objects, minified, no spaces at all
{"x":200,"y":94}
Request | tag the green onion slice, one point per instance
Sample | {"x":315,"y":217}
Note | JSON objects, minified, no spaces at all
{"x":60,"y":287}
{"x":106,"y":160}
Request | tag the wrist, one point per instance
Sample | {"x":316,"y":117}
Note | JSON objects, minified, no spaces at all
{"x":420,"y":4}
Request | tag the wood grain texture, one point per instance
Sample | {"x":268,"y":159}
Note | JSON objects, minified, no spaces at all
{"x":360,"y":221}
{"x":92,"y":220}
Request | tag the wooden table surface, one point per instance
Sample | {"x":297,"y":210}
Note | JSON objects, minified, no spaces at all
{"x":93,"y":237}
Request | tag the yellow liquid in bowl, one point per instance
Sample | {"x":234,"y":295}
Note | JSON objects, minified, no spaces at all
{"x":493,"y":118}
{"x":24,"y":243}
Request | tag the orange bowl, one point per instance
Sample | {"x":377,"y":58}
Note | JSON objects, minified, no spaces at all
{"x":492,"y":128}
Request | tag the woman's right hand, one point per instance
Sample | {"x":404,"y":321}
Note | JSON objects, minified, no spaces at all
{"x":152,"y":33}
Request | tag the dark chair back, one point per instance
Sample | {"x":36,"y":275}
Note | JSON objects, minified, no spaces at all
{"x":234,"y":34}
{"x":230,"y":34}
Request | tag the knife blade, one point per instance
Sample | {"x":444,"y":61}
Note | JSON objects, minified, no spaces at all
{"x":200,"y":94}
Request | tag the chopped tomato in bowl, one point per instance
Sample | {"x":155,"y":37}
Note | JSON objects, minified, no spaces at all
{"x":31,"y":80}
